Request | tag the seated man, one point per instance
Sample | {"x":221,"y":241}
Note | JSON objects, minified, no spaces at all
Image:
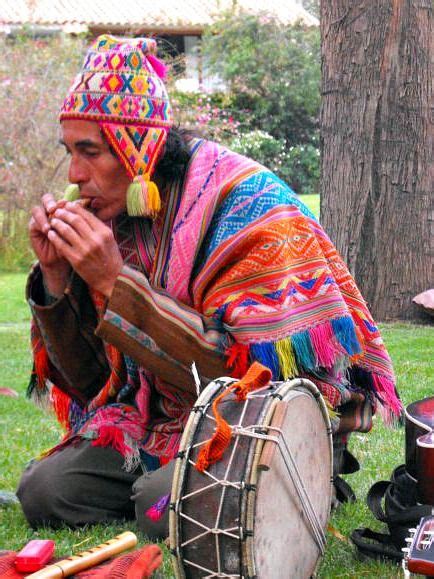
{"x":189,"y":253}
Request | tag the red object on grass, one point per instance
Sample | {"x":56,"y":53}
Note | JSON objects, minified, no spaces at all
{"x":8,"y":392}
{"x":34,"y":555}
{"x":139,"y":564}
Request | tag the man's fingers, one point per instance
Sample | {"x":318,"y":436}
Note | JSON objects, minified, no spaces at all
{"x":82,"y":237}
{"x":68,"y":228}
{"x":62,"y":247}
{"x":89,"y":217}
{"x":49,"y":202}
{"x":39,"y":220}
{"x":76,"y":219}
{"x":83,"y":221}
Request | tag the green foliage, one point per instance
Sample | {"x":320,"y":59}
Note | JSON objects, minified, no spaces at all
{"x":209,"y":115}
{"x":34,"y":78}
{"x":301,"y":168}
{"x":15,"y":252}
{"x":297,"y":165}
{"x":273,"y":72}
{"x":26,"y":430}
{"x":262,"y":147}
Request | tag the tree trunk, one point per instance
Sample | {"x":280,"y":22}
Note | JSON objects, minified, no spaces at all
{"x":377,"y":147}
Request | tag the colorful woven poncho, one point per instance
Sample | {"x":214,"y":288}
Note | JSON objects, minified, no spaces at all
{"x":235,"y":269}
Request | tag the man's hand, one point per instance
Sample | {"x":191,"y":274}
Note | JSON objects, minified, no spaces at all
{"x":55,"y":268}
{"x":88,"y":245}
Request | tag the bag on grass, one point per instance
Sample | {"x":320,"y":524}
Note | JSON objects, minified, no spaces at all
{"x":401,"y":512}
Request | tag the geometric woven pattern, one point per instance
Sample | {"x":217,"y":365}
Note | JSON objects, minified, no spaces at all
{"x":120,"y":88}
{"x":137,"y":147}
{"x":118,"y":82}
{"x":236,"y":270}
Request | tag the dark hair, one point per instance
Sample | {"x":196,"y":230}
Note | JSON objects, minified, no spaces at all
{"x":176,"y":155}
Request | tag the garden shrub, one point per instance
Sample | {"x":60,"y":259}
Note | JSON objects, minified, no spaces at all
{"x":273,"y":77}
{"x":297,"y":165}
{"x":271,"y":70}
{"x":302,"y":168}
{"x":35,"y":75}
{"x":262,"y":147}
{"x":208,"y":114}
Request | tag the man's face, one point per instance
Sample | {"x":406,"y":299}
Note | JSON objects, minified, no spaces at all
{"x":99,"y":174}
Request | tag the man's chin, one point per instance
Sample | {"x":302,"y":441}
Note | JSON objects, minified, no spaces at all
{"x":101,"y":214}
{"x":106,"y":214}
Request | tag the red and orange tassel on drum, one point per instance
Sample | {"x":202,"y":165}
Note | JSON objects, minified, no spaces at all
{"x":257,"y":376}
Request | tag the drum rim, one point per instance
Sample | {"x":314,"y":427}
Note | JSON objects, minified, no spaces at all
{"x":248,"y":502}
{"x":296,"y":385}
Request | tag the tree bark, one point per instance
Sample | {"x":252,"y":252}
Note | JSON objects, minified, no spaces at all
{"x":377,"y":147}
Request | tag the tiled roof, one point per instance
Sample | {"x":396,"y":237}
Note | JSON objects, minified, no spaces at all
{"x":140,"y":13}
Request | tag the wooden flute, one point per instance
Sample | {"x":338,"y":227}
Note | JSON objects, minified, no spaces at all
{"x":87,"y":559}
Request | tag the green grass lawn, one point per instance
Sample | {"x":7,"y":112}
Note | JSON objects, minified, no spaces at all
{"x":25,"y":431}
{"x":311,"y":202}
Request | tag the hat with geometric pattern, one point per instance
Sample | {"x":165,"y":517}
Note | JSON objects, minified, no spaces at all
{"x":121,"y":88}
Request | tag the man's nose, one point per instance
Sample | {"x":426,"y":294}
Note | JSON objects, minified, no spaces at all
{"x":77,"y":172}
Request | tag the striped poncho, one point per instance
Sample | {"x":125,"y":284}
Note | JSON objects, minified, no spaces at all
{"x":235,"y":269}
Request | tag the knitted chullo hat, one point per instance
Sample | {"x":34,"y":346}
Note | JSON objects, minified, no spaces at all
{"x":121,"y":88}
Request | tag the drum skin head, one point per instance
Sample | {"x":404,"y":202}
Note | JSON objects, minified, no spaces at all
{"x":283,"y":545}
{"x":238,"y":519}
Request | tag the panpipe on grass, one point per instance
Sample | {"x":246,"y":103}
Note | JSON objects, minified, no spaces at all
{"x":87,"y":559}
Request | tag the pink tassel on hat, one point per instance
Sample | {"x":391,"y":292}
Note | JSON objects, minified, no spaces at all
{"x":159,"y":67}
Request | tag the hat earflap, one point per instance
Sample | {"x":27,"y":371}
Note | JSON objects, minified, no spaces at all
{"x":139,"y":148}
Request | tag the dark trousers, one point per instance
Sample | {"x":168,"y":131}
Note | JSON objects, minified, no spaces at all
{"x":86,"y":484}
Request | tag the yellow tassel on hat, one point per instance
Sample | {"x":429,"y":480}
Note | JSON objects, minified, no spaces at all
{"x":143,"y":197}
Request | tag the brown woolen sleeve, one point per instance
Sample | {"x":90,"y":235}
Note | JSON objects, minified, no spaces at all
{"x":162,"y":334}
{"x":67,"y":326}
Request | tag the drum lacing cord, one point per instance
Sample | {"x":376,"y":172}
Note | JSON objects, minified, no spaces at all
{"x":239,"y":430}
{"x":294,"y":473}
{"x":229,"y":532}
{"x":256,"y":377}
{"x":211,"y":574}
{"x":216,"y":531}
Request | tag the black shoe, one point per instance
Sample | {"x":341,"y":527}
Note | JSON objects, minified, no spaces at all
{"x":344,"y":493}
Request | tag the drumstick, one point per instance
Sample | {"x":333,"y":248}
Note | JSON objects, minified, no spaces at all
{"x":77,"y":563}
{"x":269,"y":447}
